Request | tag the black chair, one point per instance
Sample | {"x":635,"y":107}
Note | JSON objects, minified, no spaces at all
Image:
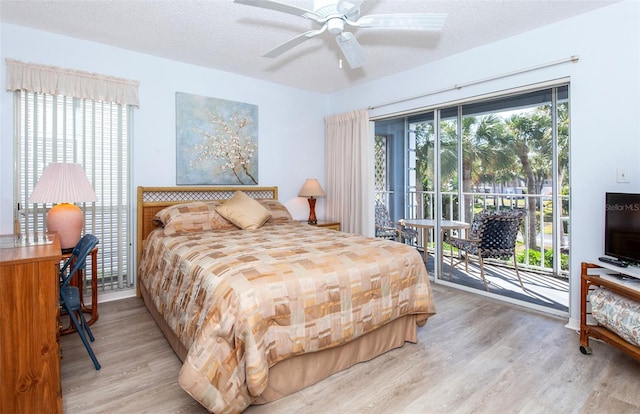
{"x":70,"y":295}
{"x":385,"y":228}
{"x":492,"y":235}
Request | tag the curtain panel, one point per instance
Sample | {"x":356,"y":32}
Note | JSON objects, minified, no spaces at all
{"x":73,"y":83}
{"x":348,"y":170}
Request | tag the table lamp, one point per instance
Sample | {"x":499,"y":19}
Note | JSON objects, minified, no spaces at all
{"x":311,"y":189}
{"x":63,"y":184}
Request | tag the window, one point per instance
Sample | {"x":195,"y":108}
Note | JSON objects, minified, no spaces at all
{"x":95,"y":134}
{"x":509,"y":150}
{"x":66,"y":115}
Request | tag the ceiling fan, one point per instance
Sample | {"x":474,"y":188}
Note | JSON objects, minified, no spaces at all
{"x":334,"y":15}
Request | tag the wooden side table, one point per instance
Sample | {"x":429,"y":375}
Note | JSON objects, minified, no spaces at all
{"x":610,"y":277}
{"x":333,"y":225}
{"x":78,"y":281}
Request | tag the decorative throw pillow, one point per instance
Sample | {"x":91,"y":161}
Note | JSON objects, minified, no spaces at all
{"x":186,"y":217}
{"x":278,"y":210}
{"x":244,"y":211}
{"x":217,"y":221}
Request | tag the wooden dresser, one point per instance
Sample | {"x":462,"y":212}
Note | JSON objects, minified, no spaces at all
{"x":29,"y":348}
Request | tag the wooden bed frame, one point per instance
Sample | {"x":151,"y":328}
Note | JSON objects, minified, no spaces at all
{"x":291,"y":375}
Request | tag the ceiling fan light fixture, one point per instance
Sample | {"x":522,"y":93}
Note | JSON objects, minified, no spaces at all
{"x":333,"y":15}
{"x":335,"y":25}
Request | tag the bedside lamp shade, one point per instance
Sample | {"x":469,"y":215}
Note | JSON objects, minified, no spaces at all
{"x":311,"y":189}
{"x":63,"y":184}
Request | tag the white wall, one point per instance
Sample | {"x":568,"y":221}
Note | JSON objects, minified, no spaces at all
{"x":291,"y":121}
{"x":605,"y":104}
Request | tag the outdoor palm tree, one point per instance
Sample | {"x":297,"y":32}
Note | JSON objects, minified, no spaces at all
{"x":424,"y":134}
{"x":425,"y":164}
{"x":484,"y":159}
{"x":563,"y":146}
{"x":527,"y":135}
{"x":494,"y":150}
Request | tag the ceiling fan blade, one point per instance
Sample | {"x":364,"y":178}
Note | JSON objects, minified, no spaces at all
{"x":291,"y":43}
{"x":402,"y":21}
{"x":349,"y":8}
{"x":281,"y":7}
{"x":351,"y":50}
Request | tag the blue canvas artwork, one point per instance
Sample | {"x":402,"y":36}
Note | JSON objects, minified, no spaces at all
{"x":216,"y":141}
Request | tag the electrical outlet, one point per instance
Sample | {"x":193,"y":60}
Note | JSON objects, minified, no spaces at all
{"x":623,"y":175}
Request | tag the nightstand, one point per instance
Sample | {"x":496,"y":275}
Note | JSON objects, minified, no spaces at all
{"x":333,"y":225}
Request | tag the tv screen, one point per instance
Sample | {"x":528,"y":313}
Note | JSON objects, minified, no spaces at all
{"x":622,"y":226}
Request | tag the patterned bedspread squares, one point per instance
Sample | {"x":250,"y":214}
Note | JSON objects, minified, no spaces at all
{"x":617,"y":313}
{"x":243,"y":300}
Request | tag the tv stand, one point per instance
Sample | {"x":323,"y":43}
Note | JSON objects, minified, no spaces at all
{"x":599,"y":275}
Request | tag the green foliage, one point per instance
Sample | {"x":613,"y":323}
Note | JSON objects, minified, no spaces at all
{"x":534,"y":259}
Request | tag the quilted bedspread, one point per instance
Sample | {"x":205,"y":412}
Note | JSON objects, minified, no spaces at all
{"x":242,"y":300}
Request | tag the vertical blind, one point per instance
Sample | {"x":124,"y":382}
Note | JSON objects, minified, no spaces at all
{"x":57,"y":128}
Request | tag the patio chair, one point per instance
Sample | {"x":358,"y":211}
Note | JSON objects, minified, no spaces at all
{"x":386,"y":229}
{"x":492,"y":235}
{"x":70,"y":295}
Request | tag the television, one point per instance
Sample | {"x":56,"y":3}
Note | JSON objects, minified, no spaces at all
{"x":622,"y":227}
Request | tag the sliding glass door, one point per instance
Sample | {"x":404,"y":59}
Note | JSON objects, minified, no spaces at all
{"x":503,"y":152}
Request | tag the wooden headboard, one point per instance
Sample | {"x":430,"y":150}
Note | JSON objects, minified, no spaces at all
{"x":153,"y":199}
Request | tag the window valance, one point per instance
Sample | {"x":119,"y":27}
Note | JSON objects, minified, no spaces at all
{"x":78,"y":84}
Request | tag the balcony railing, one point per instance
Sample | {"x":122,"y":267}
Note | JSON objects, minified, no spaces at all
{"x":550,"y":252}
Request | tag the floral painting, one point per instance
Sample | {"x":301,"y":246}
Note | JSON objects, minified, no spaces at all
{"x":217,"y":141}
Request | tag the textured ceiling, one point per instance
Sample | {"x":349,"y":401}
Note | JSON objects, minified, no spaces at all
{"x":232,"y":37}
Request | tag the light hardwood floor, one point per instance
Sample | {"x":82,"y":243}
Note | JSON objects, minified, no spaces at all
{"x":475,"y":356}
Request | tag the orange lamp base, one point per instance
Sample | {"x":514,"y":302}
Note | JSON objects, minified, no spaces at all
{"x":67,"y":220}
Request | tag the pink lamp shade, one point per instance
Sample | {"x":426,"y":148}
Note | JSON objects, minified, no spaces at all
{"x":63,"y":184}
{"x":311,"y":189}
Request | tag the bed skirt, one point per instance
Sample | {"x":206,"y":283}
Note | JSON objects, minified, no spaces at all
{"x":294,"y":374}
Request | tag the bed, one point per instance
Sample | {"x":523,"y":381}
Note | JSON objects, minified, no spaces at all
{"x":258,"y":308}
